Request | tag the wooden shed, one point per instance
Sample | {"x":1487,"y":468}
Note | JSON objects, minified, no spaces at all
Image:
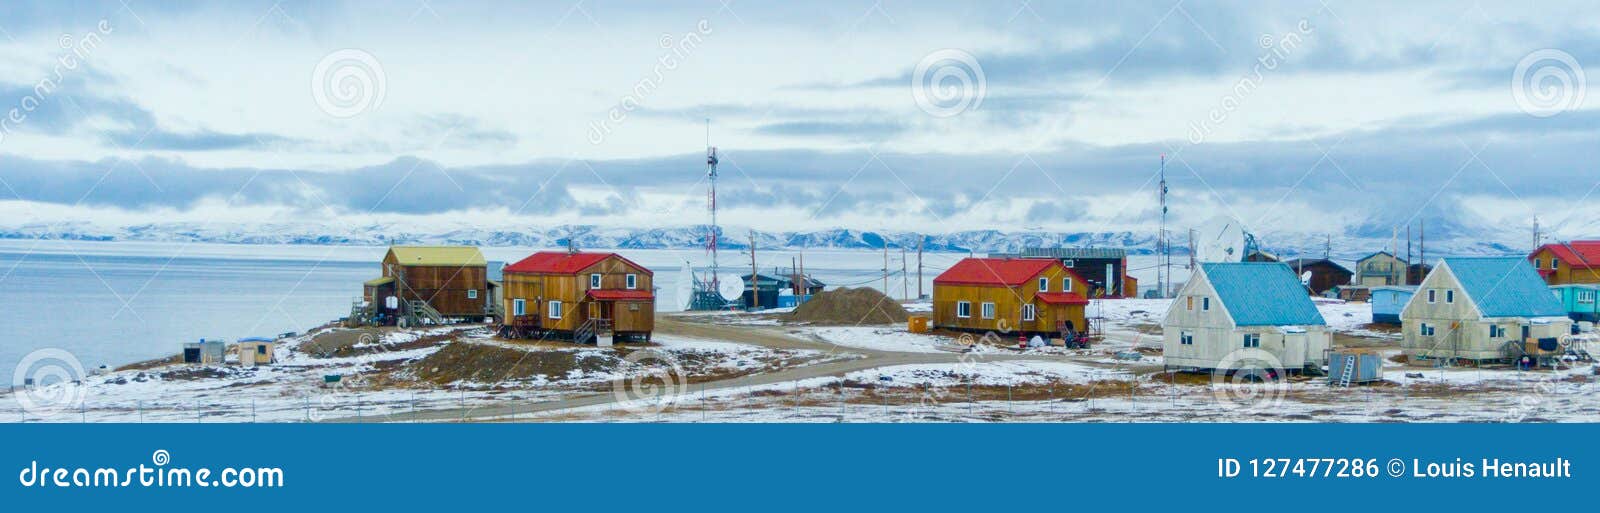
{"x":450,"y":280}
{"x":1028,"y":295}
{"x":580,"y":296}
{"x":1325,"y":273}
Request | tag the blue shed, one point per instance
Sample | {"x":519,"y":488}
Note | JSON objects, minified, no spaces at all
{"x":1579,"y":300}
{"x":1388,"y":301}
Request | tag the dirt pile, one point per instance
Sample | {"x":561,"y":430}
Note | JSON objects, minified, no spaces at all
{"x":850,"y":306}
{"x":484,"y":363}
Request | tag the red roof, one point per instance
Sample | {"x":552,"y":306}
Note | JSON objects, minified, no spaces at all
{"x":995,"y":271}
{"x":561,"y":262}
{"x":621,"y":294}
{"x":1061,"y":298}
{"x":1578,"y":254}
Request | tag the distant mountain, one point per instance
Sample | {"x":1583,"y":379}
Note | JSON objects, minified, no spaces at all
{"x":1347,"y":247}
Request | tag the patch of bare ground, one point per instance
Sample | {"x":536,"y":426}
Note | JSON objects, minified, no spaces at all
{"x":1345,"y":340}
{"x":485,"y":363}
{"x":152,"y":364}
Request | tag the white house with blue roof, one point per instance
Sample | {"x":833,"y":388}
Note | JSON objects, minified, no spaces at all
{"x":1229,"y":307}
{"x":1483,"y":308}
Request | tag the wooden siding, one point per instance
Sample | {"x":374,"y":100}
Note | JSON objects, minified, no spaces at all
{"x":1563,"y":274}
{"x":445,"y":288}
{"x":537,"y":290}
{"x":1008,"y":303}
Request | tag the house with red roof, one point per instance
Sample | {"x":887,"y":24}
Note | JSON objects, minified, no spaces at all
{"x":578,"y":295}
{"x":1564,"y":263}
{"x":1030,"y":296}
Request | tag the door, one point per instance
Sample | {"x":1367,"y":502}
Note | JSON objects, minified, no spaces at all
{"x":1294,"y":350}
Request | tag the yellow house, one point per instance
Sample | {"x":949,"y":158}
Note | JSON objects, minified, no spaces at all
{"x":1024,"y":295}
{"x":578,"y":295}
{"x":1568,"y":262}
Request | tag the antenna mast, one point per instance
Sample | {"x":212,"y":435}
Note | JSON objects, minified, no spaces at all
{"x":711,"y":202}
{"x":1162,"y":245}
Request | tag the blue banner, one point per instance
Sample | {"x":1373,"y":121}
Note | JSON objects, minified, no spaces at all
{"x":260,"y":467}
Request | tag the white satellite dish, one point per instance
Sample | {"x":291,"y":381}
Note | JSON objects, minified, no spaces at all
{"x":730,"y":286}
{"x":685,"y":287}
{"x":1305,"y":278}
{"x":1220,"y":239}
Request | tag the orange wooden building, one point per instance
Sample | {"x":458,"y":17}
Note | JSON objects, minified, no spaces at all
{"x":1026,"y":295}
{"x":1565,"y":263}
{"x":580,"y":296}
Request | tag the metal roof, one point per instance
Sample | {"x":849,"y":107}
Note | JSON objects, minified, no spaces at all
{"x":1074,"y":253}
{"x":562,"y":262}
{"x":379,"y":281}
{"x":1262,"y":294}
{"x":465,"y":256}
{"x":1505,"y":287}
{"x":994,"y":271}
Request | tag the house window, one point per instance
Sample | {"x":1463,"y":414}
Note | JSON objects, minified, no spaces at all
{"x":1068,"y":263}
{"x":633,"y":281}
{"x":1425,"y":330}
{"x":964,"y":309}
{"x":1432,"y":296}
{"x":1554,"y":264}
{"x":988,"y":310}
{"x":555,"y":310}
{"x":1028,"y":312}
{"x":1252,"y":340}
{"x":1189,"y":303}
{"x":261,"y":349}
{"x":1586,"y":296}
{"x":519,"y":306}
{"x":1044,"y":284}
{"x":1450,"y":296}
{"x":1205,"y":304}
{"x":472,"y":293}
{"x":594,"y":281}
{"x":1186,"y":338}
{"x":1496,"y":331}
{"x":1066,"y":284}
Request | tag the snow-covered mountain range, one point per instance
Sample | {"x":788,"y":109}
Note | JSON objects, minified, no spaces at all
{"x":688,"y":237}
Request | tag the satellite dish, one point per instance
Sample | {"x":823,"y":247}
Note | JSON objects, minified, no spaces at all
{"x":730,"y":286}
{"x":685,"y":287}
{"x":1305,"y":278}
{"x":1220,"y":239}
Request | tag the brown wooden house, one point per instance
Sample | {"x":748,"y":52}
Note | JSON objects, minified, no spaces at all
{"x":579,"y":296}
{"x":1567,"y":263}
{"x":451,"y":280}
{"x":1024,"y":295}
{"x":1325,"y":274}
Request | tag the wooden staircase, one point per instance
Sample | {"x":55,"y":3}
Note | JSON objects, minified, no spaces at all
{"x":590,"y":331}
{"x":418,"y":311}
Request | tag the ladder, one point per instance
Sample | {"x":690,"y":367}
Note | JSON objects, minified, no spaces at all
{"x":1349,"y":370}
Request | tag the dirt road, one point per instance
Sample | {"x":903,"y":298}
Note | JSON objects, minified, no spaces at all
{"x":768,"y":336}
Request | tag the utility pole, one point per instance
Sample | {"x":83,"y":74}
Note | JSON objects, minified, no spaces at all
{"x":794,"y":277}
{"x":919,"y":266}
{"x":886,"y":267}
{"x":755,"y":284}
{"x":1164,"y":280}
{"x":1327,"y":247}
{"x":905,"y":277}
{"x":1537,"y":237}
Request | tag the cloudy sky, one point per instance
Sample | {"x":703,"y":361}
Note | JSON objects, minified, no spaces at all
{"x":1344,"y":118}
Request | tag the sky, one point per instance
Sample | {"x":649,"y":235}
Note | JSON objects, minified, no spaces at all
{"x":1344,"y":119}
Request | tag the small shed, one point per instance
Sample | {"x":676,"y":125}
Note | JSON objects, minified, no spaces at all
{"x":1364,"y":366}
{"x":206,"y":351}
{"x":1387,"y":302}
{"x":1579,"y":300}
{"x":1325,"y":274}
{"x":255,"y":351}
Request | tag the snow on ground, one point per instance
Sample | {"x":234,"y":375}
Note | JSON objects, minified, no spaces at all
{"x":998,"y":373}
{"x":883,"y":338}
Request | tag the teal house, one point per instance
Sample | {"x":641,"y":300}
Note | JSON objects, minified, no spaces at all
{"x":1579,"y":300}
{"x":1388,"y":301}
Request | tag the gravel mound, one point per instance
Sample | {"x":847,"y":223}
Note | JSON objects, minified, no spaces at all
{"x":850,"y":306}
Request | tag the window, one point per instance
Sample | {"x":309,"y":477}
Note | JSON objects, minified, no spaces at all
{"x":1554,"y":264}
{"x":1252,"y":340}
{"x":1425,"y":330}
{"x":1044,"y":284}
{"x":988,"y":310}
{"x":964,"y":309}
{"x":594,"y":281}
{"x":1586,"y":296}
{"x":1066,"y":284}
{"x":472,"y":293}
{"x":1431,"y":296}
{"x":1450,"y":296}
{"x":1068,"y":263}
{"x":1496,"y":331}
{"x":1186,"y":338}
{"x":633,"y":281}
{"x":555,"y":310}
{"x":261,"y":349}
{"x":1028,"y":312}
{"x":1205,"y":304}
{"x":519,"y":306}
{"x":1189,"y":301}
